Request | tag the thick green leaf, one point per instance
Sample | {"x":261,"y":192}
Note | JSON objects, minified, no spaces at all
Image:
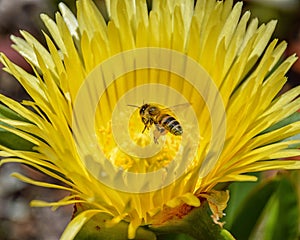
{"x":295,"y":179}
{"x":280,"y":219}
{"x":96,"y":229}
{"x":295,"y":117}
{"x":197,"y":224}
{"x":174,"y":236}
{"x":250,"y":210}
{"x":5,"y":112}
{"x":288,"y":215}
{"x":269,"y":212}
{"x":11,"y":140}
{"x":238,"y":193}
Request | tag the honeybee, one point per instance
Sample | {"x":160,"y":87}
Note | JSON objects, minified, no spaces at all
{"x":161,"y":118}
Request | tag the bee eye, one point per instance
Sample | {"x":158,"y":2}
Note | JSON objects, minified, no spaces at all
{"x":143,"y":108}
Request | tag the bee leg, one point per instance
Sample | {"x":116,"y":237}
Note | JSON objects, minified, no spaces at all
{"x":158,"y":131}
{"x":147,"y":123}
{"x":156,"y":136}
{"x":144,"y":129}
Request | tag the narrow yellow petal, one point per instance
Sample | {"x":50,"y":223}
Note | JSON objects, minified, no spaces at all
{"x":76,"y":224}
{"x":41,"y":184}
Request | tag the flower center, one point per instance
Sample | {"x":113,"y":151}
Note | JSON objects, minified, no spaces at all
{"x":137,"y":141}
{"x":153,"y":156}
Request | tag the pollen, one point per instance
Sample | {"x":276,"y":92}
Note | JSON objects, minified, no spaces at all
{"x":155,"y":156}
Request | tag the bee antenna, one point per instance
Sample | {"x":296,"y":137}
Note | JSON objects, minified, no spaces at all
{"x":131,"y":105}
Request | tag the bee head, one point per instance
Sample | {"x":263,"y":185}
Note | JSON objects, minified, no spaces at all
{"x":143,"y":108}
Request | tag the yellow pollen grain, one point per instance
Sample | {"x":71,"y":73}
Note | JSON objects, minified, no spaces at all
{"x":121,"y":159}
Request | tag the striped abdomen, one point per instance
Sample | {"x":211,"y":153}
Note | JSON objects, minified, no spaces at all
{"x":170,"y":124}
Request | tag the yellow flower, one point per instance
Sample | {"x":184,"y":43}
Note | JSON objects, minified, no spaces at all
{"x":214,"y":65}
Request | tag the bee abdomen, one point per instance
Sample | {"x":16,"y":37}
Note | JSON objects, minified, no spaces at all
{"x":171,"y":124}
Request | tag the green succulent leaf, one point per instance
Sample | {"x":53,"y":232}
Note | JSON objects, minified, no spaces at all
{"x":280,"y":218}
{"x":9,"y":139}
{"x":197,"y":224}
{"x":5,"y":112}
{"x":249,"y":211}
{"x":270,"y":211}
{"x":96,"y":228}
{"x":238,"y":193}
{"x":295,"y":117}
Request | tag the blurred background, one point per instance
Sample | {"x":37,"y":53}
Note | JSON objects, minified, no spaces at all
{"x":17,"y":219}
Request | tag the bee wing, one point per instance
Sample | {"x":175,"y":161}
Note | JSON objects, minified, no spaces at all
{"x":177,"y":107}
{"x":180,"y":106}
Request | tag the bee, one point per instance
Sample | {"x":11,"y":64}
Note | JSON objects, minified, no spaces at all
{"x":162,"y":119}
